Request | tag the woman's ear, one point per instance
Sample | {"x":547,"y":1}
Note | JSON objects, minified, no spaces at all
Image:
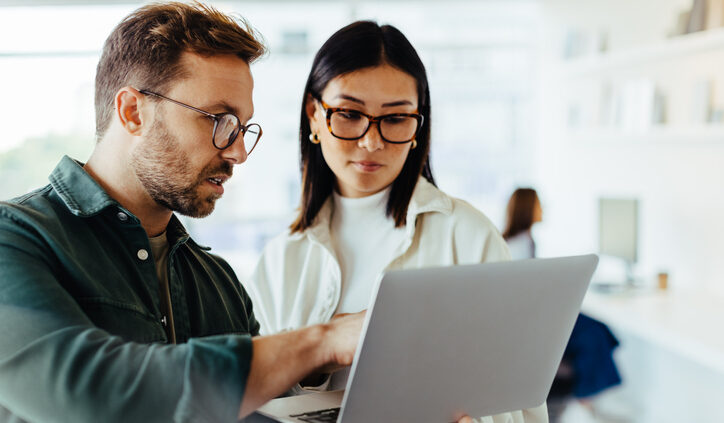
{"x":310,"y":107}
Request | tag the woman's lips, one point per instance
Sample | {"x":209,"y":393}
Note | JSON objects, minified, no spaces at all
{"x":365,"y":166}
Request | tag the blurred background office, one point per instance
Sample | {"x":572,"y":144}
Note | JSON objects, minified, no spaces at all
{"x":613,"y":110}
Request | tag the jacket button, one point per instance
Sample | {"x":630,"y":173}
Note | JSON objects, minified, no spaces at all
{"x":122,"y":216}
{"x":142,"y":254}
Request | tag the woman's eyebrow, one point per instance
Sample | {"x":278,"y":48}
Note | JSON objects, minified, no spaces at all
{"x":350,"y":98}
{"x":398,"y":103}
{"x":390,"y":104}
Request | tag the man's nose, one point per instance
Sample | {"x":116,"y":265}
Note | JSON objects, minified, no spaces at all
{"x":236,"y":152}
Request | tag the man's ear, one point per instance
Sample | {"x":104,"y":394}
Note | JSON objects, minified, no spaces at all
{"x":128,"y":104}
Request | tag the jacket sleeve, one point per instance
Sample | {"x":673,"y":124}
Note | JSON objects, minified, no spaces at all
{"x":260,"y":291}
{"x":279,"y":285}
{"x":530,"y":415}
{"x":475,"y":237}
{"x":55,"y":365}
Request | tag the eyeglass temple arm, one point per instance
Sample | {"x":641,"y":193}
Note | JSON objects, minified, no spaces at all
{"x":178,"y":102}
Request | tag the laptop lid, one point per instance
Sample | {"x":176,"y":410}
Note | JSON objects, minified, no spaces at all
{"x":478,"y":339}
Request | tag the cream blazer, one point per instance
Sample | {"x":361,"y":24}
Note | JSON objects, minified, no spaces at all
{"x":297,"y":281}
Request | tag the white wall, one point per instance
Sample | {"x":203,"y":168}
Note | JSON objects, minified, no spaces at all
{"x":676,"y":173}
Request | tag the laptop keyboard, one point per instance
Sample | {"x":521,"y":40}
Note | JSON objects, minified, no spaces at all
{"x":319,"y":416}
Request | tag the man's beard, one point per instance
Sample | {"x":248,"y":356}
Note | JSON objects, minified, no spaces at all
{"x":162,"y":168}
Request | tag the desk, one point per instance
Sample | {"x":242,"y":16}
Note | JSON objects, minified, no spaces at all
{"x":691,"y":325}
{"x":671,"y":356}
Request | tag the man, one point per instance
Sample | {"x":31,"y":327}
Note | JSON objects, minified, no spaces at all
{"x":109,"y":311}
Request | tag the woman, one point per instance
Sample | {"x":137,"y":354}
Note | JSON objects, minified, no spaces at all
{"x":523,"y":211}
{"x":587,"y":367}
{"x":369,"y":202}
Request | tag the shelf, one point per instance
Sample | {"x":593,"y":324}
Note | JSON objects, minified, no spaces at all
{"x":673,"y":48}
{"x":695,"y":135}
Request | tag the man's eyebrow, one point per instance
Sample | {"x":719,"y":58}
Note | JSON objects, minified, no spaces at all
{"x":223,"y":106}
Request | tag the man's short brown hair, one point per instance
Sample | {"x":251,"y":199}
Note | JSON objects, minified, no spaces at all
{"x":145,"y":49}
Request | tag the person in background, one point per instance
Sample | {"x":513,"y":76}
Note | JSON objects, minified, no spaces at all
{"x":109,"y":311}
{"x":523,"y":211}
{"x":587,"y":367}
{"x":369,"y":201}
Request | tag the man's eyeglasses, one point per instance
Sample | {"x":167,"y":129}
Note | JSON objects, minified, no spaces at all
{"x":227,"y":126}
{"x":350,"y":124}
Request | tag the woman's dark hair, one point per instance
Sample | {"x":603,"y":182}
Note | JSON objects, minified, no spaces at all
{"x":360,"y":45}
{"x":520,"y":212}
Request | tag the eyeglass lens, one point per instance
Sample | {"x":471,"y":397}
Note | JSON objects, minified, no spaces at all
{"x":227,"y":131}
{"x":347,"y":124}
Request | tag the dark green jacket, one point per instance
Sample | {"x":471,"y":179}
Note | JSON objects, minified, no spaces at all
{"x":81,"y":338}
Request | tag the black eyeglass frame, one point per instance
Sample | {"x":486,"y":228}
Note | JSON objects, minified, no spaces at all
{"x":216,"y":117}
{"x":370,"y":120}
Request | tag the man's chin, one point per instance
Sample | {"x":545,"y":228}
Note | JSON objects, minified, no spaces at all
{"x":198,"y":209}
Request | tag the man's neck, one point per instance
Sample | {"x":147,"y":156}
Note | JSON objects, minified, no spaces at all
{"x":110,"y":167}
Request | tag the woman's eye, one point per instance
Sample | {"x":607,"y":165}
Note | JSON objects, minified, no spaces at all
{"x":394,"y":120}
{"x":349,"y":115}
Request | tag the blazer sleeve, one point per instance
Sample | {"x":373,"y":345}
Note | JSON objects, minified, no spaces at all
{"x":475,"y":237}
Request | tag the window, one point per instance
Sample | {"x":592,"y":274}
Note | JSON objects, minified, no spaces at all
{"x":480,"y":58}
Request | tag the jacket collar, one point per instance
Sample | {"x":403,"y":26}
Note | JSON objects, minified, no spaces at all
{"x":426,"y":198}
{"x":83,"y":196}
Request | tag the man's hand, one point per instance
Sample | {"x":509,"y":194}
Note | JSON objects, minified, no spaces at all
{"x":341,"y":338}
{"x":321,"y":374}
{"x":279,"y":361}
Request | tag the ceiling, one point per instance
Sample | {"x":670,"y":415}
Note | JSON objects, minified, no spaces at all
{"x":7,"y":3}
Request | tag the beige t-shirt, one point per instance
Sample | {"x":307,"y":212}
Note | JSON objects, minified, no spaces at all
{"x":159,"y":248}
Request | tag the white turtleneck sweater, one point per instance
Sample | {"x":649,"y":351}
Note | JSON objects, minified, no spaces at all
{"x":365,"y":241}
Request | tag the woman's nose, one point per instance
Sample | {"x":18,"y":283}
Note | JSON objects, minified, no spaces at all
{"x":372,"y":140}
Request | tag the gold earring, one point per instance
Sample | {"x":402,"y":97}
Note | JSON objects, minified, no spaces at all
{"x":414,"y":144}
{"x":313,"y":138}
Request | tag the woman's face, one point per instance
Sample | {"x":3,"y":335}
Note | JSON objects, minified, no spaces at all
{"x":368,"y":165}
{"x":537,"y":212}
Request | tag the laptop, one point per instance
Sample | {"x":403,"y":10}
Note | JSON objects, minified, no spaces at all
{"x":438,"y":343}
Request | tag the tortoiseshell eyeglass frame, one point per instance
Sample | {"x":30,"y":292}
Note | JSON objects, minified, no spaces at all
{"x":370,"y":120}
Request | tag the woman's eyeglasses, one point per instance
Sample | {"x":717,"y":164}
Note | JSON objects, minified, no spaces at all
{"x":350,"y":124}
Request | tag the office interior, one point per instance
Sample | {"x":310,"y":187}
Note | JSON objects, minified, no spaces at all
{"x":612,"y":110}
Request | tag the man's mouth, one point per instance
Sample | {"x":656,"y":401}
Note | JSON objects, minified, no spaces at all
{"x":216,"y":181}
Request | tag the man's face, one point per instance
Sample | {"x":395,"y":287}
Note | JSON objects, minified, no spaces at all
{"x":176,"y":162}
